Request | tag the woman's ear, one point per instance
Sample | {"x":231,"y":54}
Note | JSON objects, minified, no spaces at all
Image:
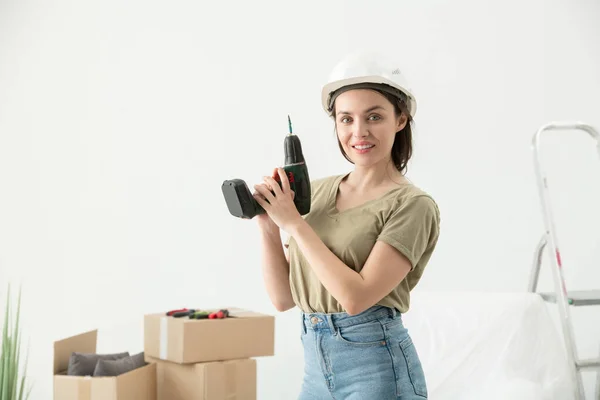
{"x":401,"y":122}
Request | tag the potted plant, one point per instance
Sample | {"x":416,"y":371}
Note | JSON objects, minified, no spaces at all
{"x":12,"y":381}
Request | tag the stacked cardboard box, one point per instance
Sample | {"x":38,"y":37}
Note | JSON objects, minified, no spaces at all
{"x":69,"y":384}
{"x":186,"y":359}
{"x":208,"y":359}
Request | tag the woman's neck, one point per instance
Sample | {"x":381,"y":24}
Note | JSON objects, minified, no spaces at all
{"x":364,"y":179}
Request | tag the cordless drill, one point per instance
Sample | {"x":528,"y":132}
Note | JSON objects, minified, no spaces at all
{"x":242,"y":204}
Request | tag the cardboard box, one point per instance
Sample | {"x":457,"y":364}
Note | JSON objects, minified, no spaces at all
{"x":139,"y":384}
{"x":244,"y":334}
{"x":217,"y":380}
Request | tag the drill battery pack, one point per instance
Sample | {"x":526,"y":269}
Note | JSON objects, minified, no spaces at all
{"x":239,"y":199}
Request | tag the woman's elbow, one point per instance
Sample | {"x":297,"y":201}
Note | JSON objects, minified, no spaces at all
{"x":354,"y":307}
{"x":282,"y":306}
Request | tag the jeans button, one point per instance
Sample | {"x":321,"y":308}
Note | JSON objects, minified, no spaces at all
{"x":314,"y":320}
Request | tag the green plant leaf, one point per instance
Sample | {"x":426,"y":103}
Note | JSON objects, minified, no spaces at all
{"x":12,"y":380}
{"x":5,"y":356}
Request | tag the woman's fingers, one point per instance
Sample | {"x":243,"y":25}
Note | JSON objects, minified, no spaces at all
{"x":285,"y":183}
{"x":270,"y":189}
{"x":274,"y":186}
{"x":260,"y":199}
{"x":263,"y":190}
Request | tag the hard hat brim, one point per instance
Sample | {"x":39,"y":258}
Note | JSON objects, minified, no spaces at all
{"x":331,"y":87}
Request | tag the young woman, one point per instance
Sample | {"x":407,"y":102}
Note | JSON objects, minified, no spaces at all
{"x":353,"y":260}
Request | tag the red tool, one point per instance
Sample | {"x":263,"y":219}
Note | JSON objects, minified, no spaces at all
{"x":219,"y":314}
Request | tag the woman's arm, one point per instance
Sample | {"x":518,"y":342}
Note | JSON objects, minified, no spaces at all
{"x":276,"y":268}
{"x":384,"y":269}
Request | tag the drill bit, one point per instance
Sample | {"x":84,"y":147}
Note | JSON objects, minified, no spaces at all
{"x":290,"y":124}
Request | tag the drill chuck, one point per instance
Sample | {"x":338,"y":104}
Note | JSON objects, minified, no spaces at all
{"x":293,"y":150}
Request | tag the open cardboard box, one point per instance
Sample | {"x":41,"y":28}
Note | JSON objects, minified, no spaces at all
{"x":216,"y":380}
{"x":243,"y":334}
{"x":139,"y":384}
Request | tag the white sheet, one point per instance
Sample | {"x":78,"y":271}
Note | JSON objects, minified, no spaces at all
{"x":489,"y":346}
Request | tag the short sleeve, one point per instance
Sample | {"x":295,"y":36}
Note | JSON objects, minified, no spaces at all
{"x":412,"y":228}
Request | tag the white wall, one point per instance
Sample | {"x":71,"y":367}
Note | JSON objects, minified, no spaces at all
{"x":119,"y":121}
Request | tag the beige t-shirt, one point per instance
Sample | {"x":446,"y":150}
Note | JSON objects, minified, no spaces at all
{"x":405,"y":217}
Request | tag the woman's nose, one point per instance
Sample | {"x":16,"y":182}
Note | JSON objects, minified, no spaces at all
{"x":360,"y":130}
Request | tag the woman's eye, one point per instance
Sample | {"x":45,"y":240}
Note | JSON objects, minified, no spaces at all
{"x":374,"y":116}
{"x":344,"y":119}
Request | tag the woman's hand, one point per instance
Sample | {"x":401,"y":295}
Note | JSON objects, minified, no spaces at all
{"x":277,"y":201}
{"x":265,"y":223}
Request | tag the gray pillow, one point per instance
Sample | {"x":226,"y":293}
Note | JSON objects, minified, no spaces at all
{"x":120,"y":366}
{"x":82,"y":364}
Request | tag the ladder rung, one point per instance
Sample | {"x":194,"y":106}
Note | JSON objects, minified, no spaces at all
{"x":589,"y":363}
{"x":577,"y":297}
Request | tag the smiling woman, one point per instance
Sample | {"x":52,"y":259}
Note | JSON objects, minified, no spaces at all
{"x":388,"y":120}
{"x":355,"y":257}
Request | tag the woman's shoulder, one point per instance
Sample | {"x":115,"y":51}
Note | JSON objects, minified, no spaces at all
{"x":415,"y":196}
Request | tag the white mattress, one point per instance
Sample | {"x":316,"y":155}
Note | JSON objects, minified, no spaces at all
{"x":490,"y":346}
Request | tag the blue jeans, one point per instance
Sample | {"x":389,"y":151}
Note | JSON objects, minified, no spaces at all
{"x":368,"y":356}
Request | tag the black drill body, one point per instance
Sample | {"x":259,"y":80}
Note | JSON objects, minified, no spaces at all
{"x":242,"y":204}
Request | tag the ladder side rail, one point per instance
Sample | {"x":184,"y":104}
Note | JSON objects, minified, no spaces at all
{"x":553,"y":246}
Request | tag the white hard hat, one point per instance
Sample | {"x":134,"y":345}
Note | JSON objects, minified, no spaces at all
{"x":367,"y":70}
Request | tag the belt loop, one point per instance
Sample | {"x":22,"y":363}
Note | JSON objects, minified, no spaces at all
{"x":330,"y":322}
{"x":393,"y":312}
{"x":302,"y":317}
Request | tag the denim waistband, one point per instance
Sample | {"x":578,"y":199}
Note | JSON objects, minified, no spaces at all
{"x":333,"y":320}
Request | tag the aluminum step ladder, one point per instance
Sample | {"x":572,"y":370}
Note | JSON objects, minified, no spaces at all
{"x":561,"y":297}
